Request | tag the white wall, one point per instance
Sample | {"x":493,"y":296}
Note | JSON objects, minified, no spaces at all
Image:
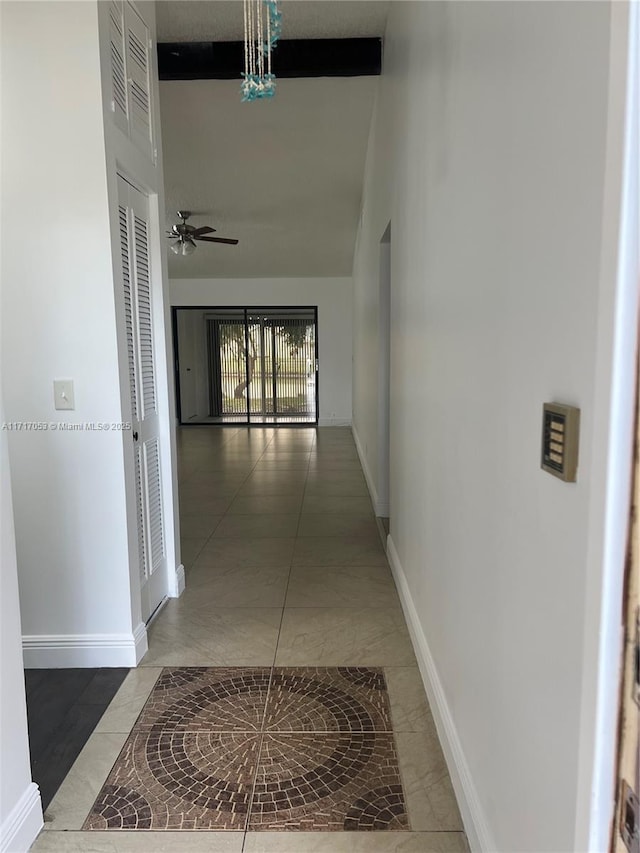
{"x":20,"y":807}
{"x":58,"y":321}
{"x":488,"y":154}
{"x":333,"y":296}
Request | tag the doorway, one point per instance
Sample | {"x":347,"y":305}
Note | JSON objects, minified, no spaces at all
{"x":255,"y":365}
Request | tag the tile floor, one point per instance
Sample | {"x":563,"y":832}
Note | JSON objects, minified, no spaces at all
{"x":63,"y":709}
{"x":285,"y":569}
{"x":236,"y":748}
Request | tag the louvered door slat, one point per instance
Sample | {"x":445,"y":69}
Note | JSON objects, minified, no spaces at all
{"x":154,"y":496}
{"x":138,"y":71}
{"x":128,"y":306}
{"x":119,"y":100}
{"x":145,"y":322}
{"x":141,"y":516}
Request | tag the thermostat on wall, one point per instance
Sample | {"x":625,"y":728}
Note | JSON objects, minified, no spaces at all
{"x":560,"y":431}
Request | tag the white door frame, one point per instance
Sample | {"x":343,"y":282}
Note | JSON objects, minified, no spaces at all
{"x":383,"y":505}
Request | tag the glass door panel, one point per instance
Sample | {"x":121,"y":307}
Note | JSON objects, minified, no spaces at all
{"x":227,"y":373}
{"x":248,"y":365}
{"x":294,"y":378}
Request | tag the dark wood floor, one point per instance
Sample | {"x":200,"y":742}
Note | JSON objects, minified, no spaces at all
{"x":63,"y":708}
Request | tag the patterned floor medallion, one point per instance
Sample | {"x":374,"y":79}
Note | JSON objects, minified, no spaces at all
{"x":307,"y":749}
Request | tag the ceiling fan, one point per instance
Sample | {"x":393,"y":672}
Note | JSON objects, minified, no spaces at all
{"x":186,"y":235}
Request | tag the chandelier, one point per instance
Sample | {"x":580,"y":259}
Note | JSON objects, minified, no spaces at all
{"x":262,"y":27}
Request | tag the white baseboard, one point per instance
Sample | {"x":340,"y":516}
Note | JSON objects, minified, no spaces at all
{"x":383,"y":510}
{"x":141,"y":641}
{"x":23,"y":823}
{"x":56,"y":651}
{"x":334,"y":422}
{"x":475,"y":822}
{"x":373,"y":492}
{"x":176,"y":582}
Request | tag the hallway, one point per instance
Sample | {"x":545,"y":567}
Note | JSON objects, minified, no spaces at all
{"x":285,"y":568}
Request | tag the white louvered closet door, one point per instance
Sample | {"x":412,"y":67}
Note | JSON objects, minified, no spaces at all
{"x":137,"y":293}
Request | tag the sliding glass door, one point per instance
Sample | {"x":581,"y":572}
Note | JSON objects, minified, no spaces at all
{"x":261,"y":365}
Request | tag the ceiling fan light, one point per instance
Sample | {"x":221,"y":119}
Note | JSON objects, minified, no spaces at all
{"x":176,"y":247}
{"x":188,"y":247}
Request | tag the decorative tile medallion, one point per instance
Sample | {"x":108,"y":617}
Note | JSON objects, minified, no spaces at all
{"x":224,"y":699}
{"x":328,"y":782}
{"x":307,"y":749}
{"x":179,"y":780}
{"x":328,"y":699}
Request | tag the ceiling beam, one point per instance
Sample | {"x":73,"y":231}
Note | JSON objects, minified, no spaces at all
{"x":224,"y":60}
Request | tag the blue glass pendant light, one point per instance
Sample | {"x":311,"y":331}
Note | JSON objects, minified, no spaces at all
{"x":262,"y":28}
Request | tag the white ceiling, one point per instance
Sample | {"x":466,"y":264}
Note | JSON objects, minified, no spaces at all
{"x":284,"y":176}
{"x":222,"y":20}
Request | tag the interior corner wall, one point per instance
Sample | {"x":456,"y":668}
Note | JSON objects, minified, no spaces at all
{"x":487,"y":155}
{"x":333,"y":298}
{"x":58,"y":322}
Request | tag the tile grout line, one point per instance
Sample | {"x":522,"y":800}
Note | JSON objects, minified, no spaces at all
{"x":275,"y":655}
{"x":286,"y":591}
{"x":226,"y":512}
{"x":401,"y":770}
{"x":235,"y":494}
{"x":258,"y":754}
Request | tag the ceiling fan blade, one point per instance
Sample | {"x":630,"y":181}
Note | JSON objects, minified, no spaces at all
{"x":203,"y":230}
{"x":217,"y":240}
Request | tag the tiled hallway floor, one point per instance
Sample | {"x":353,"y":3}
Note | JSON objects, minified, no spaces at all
{"x":260,"y":749}
{"x":287,"y":579}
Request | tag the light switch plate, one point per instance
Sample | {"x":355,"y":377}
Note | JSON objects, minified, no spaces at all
{"x":63,"y":394}
{"x":560,"y":438}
